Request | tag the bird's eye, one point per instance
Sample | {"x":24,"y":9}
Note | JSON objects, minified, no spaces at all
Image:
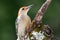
{"x":22,"y":8}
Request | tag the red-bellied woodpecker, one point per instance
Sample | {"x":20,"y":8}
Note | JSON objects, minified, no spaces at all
{"x":22,"y":22}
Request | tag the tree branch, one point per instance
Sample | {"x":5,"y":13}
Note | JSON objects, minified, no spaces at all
{"x":38,"y":17}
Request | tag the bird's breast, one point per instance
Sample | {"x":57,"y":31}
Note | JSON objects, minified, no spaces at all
{"x":24,"y":22}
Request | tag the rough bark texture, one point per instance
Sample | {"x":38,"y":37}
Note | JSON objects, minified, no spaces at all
{"x":38,"y":20}
{"x":38,"y":17}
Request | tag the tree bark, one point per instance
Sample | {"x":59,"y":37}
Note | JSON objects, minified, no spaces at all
{"x":37,"y":20}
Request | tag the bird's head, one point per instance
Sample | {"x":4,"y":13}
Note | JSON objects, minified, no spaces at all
{"x":23,"y":10}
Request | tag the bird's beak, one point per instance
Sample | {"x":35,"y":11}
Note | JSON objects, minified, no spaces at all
{"x":29,"y":6}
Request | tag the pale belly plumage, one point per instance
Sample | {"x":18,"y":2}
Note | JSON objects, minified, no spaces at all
{"x":23,"y":22}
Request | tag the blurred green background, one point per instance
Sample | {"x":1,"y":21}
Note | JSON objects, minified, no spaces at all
{"x":9,"y":10}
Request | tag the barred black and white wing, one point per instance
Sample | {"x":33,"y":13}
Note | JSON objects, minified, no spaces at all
{"x":16,"y":25}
